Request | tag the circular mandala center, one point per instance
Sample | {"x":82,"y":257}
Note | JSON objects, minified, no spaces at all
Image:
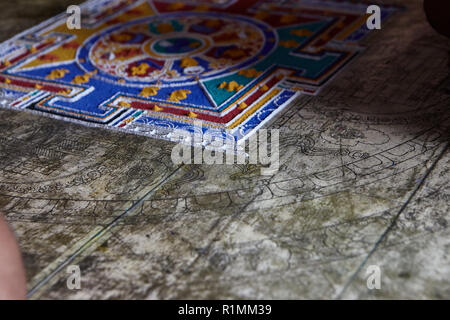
{"x":181,"y":48}
{"x":176,"y":45}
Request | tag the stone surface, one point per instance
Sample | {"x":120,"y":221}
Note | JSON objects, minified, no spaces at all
{"x":363,"y":181}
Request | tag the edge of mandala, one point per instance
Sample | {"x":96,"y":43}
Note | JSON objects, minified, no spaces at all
{"x":42,"y":24}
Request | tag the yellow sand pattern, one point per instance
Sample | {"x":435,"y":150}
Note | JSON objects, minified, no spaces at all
{"x":67,"y":54}
{"x":178,"y":95}
{"x":230,"y":86}
{"x":149,"y":91}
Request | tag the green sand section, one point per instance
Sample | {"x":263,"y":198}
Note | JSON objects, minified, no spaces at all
{"x":173,"y":25}
{"x":281,"y":56}
{"x":221,"y":95}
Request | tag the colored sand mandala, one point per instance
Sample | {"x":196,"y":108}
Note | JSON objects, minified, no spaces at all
{"x":149,"y":67}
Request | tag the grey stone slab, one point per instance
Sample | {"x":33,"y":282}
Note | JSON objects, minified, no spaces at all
{"x":363,"y":175}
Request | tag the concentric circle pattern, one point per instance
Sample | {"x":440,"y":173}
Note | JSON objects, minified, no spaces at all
{"x":179,"y":48}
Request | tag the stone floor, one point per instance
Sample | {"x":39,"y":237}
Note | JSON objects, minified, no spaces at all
{"x":364,"y":180}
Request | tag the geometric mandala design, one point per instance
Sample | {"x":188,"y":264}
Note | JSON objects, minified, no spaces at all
{"x":148,"y":67}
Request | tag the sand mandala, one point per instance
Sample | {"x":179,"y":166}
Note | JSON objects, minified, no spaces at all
{"x":149,"y":67}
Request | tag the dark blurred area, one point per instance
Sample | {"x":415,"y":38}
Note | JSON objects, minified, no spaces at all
{"x":27,"y":13}
{"x":438,"y":14}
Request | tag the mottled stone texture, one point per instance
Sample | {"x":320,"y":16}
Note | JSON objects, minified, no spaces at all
{"x":363,"y":181}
